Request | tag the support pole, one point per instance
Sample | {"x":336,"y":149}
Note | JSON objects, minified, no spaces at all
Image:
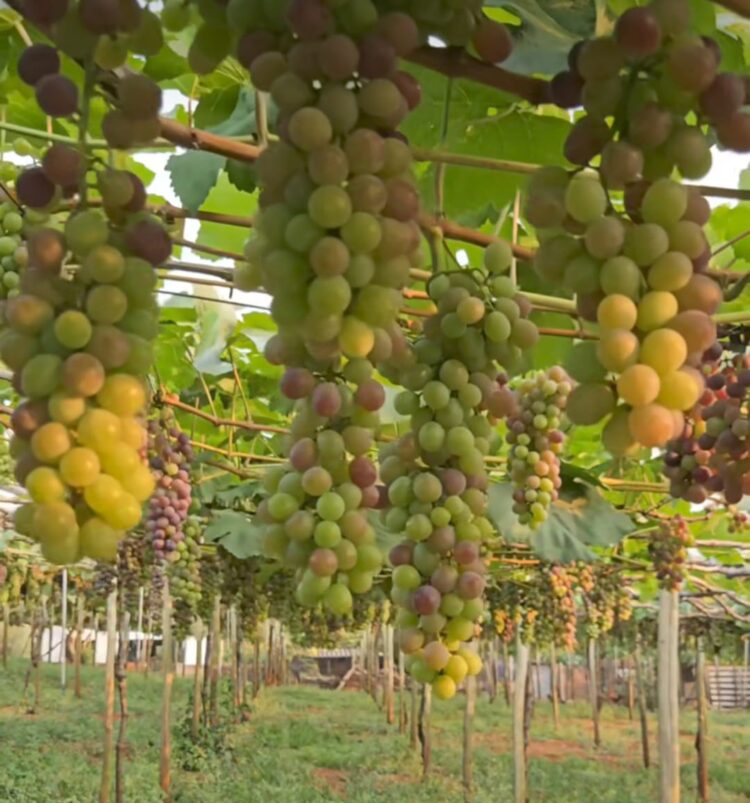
{"x":425,"y":737}
{"x":390,"y":707}
{"x":197,"y":700}
{"x":78,"y":654}
{"x":402,"y":715}
{"x":641,"y":692}
{"x":553,"y":686}
{"x":667,"y":674}
{"x":506,"y":674}
{"x":6,"y":626}
{"x":594,"y":692}
{"x":140,"y":652}
{"x":520,"y":794}
{"x":109,"y":696}
{"x":122,"y":690}
{"x":213,"y":716}
{"x":414,"y":730}
{"x":165,"y":770}
{"x":64,"y":627}
{"x":701,"y":737}
{"x":468,"y":752}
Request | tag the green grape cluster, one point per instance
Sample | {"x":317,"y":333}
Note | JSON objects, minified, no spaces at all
{"x":536,"y":441}
{"x":667,"y":549}
{"x":13,"y":254}
{"x":211,"y":583}
{"x":642,"y":281}
{"x":336,"y":235}
{"x":436,"y":476}
{"x":184,"y":576}
{"x":79,"y":350}
{"x":78,"y":335}
{"x":242,"y":587}
{"x":316,"y":509}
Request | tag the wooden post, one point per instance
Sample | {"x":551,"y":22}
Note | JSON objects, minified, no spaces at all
{"x":139,"y":652}
{"x":147,"y":643}
{"x":701,"y":737}
{"x":594,"y":692}
{"x":641,"y":694}
{"x":492,"y":668}
{"x":122,"y":690}
{"x":520,"y":794}
{"x":414,"y":730}
{"x":256,"y":664}
{"x":402,"y":716}
{"x":195,"y":723}
{"x":38,"y":662}
{"x":213,"y":716}
{"x":165,"y":768}
{"x":746,"y":670}
{"x":364,"y":659}
{"x":631,"y":689}
{"x":667,"y":671}
{"x":553,"y":685}
{"x":269,"y":655}
{"x":506,"y":674}
{"x":425,"y":740}
{"x":468,"y":752}
{"x":234,"y":667}
{"x":78,"y":648}
{"x":64,"y":628}
{"x":389,"y":701}
{"x":109,"y":696}
{"x":6,"y":626}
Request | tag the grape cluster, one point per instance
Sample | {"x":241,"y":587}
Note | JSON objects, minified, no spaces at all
{"x":133,"y":570}
{"x":542,"y":602}
{"x":536,"y":440}
{"x":606,"y":599}
{"x":170,"y":456}
{"x":185,"y":576}
{"x":78,"y":432}
{"x":316,"y":510}
{"x":337,"y":234}
{"x":650,"y":300}
{"x":13,"y":254}
{"x":638,"y":270}
{"x":211,"y":583}
{"x":668,"y":552}
{"x":661,"y":85}
{"x":458,"y":25}
{"x":78,"y":333}
{"x":436,"y":473}
{"x":709,"y":457}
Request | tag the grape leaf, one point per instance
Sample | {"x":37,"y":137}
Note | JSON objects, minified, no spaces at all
{"x":236,"y":532}
{"x":193,"y":175}
{"x":579,"y":519}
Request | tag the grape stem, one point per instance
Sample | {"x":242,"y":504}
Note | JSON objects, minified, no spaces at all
{"x":740,"y":7}
{"x":171,"y":401}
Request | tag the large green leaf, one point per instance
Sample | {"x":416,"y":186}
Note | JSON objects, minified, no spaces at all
{"x":236,"y":532}
{"x":193,"y":175}
{"x":581,"y":518}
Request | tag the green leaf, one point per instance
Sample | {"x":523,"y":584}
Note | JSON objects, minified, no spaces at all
{"x":193,"y":175}
{"x":215,"y":108}
{"x":236,"y":532}
{"x":241,"y":175}
{"x":579,"y":519}
{"x":225,"y":197}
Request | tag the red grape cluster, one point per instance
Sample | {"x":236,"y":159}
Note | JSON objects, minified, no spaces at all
{"x":316,"y":509}
{"x":170,"y":456}
{"x":536,"y":441}
{"x":668,"y":552}
{"x":458,"y":25}
{"x":661,"y":83}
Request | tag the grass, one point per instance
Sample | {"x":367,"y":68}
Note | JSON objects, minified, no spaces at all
{"x":303,"y":745}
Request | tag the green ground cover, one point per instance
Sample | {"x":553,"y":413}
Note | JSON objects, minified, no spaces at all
{"x":303,"y":745}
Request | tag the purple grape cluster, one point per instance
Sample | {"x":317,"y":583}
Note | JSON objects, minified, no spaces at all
{"x":170,"y":456}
